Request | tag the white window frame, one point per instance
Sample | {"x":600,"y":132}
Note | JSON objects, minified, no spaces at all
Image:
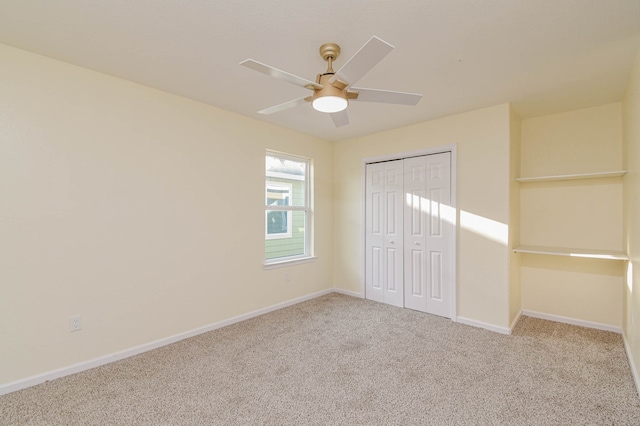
{"x":307,"y":208}
{"x":268,"y":208}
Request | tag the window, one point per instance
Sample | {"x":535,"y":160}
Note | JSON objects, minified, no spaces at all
{"x":287,"y":208}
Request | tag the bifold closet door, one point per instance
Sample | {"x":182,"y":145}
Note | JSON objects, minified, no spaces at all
{"x":384,"y":233}
{"x":428,"y":228}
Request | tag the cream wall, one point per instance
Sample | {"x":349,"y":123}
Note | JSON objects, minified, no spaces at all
{"x":631,"y":120}
{"x":576,"y":214}
{"x":140,"y":210}
{"x":515,"y":292}
{"x":581,"y":141}
{"x":483,"y":169}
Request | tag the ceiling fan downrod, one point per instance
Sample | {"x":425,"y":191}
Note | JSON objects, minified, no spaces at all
{"x":330,"y":52}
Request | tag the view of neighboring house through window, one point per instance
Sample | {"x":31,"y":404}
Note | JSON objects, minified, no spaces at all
{"x":278,"y":222}
{"x":287,"y":212}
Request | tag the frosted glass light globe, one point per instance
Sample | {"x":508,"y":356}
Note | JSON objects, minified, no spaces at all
{"x":329,"y":104}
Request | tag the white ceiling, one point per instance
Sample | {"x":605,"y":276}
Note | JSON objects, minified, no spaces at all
{"x":544,"y":56}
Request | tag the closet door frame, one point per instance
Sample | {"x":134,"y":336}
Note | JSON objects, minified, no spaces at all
{"x":399,"y":156}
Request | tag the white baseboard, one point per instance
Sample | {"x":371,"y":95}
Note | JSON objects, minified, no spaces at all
{"x":632,"y":364}
{"x":486,"y":326}
{"x":349,"y":293}
{"x":106,"y":359}
{"x":573,"y":321}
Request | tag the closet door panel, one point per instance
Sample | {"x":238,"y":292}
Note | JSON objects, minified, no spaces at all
{"x":374,"y":238}
{"x":439,"y":237}
{"x":393,"y":233}
{"x":415,"y":233}
{"x":384,"y":274}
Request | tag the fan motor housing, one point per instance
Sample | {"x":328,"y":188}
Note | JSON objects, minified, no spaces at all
{"x":328,"y":89}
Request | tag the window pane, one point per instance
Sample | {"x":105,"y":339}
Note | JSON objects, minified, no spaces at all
{"x":285,"y":245}
{"x":284,"y":171}
{"x":277,"y":223}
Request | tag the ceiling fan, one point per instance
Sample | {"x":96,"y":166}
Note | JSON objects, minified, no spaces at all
{"x":332,"y":91}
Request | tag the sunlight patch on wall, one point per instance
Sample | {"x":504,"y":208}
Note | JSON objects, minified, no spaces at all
{"x":488,"y":228}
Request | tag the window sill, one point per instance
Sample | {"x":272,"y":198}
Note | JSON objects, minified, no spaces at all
{"x":291,"y":262}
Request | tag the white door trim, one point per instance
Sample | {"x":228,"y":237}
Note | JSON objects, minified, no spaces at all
{"x":452,"y":148}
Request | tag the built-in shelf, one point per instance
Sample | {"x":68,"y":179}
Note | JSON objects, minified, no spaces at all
{"x":566,"y":251}
{"x":573,"y":252}
{"x":597,"y":175}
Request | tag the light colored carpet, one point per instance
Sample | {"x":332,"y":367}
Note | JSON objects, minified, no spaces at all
{"x":340,"y":360}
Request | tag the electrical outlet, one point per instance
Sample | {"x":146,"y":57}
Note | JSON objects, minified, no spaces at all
{"x":75,"y":323}
{"x":287,"y":277}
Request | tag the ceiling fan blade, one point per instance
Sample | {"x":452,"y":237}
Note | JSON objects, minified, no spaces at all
{"x":366,"y":58}
{"x":282,"y":107}
{"x":282,"y":75}
{"x":386,"y":96}
{"x":340,"y":118}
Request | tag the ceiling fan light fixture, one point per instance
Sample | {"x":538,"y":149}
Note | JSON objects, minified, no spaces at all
{"x":329,"y":104}
{"x":331,"y":98}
